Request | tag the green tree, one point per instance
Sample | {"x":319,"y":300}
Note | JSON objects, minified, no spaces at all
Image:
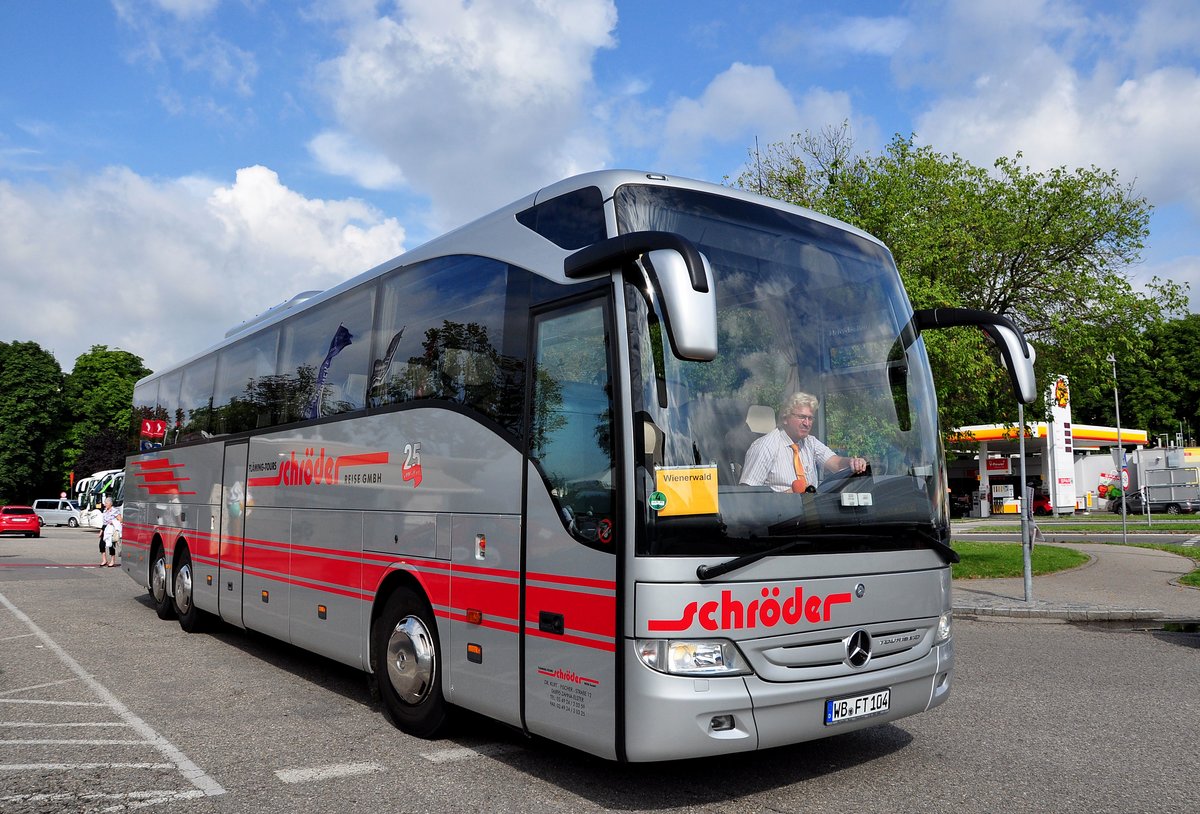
{"x":1164,"y":392}
{"x":104,"y":450}
{"x":99,"y":397}
{"x":31,"y":415}
{"x":1049,"y":250}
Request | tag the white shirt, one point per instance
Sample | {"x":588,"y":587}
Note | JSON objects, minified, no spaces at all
{"x":769,"y":461}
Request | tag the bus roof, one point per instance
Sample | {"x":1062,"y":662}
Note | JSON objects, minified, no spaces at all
{"x":493,"y":236}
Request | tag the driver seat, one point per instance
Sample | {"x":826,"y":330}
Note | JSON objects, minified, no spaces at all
{"x":759,"y":421}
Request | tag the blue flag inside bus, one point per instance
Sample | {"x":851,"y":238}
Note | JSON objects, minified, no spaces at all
{"x":341,"y":338}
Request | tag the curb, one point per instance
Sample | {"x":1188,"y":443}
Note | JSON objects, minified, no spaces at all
{"x":1069,"y":614}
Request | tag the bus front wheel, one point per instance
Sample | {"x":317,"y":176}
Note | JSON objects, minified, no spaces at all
{"x":408,"y":665}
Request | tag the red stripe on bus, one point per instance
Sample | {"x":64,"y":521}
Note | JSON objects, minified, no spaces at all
{"x":160,"y":476}
{"x":582,"y":582}
{"x":489,"y":597}
{"x":588,"y":613}
{"x":607,"y":646}
{"x":157,"y":463}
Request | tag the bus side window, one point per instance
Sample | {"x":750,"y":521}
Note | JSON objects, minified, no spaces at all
{"x":242,"y":392}
{"x":572,"y":422}
{"x":323,"y":357}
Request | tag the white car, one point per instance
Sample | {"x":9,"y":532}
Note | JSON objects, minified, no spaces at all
{"x":56,"y":511}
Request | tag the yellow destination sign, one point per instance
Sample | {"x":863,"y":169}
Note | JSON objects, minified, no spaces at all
{"x":687,"y":489}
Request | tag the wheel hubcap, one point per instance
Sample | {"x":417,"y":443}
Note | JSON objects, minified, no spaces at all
{"x":158,"y":579}
{"x":183,"y":588}
{"x":411,"y":660}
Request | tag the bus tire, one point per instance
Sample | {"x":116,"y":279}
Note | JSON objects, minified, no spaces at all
{"x":408,"y":665}
{"x":191,"y":618}
{"x":163,"y":605}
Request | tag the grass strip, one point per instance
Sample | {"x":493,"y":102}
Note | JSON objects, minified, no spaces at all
{"x":992,"y":560}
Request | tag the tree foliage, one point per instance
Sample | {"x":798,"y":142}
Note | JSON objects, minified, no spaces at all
{"x":1049,"y":250}
{"x":1163,"y":395}
{"x":51,"y":422}
{"x":106,"y":449}
{"x":99,"y":395}
{"x":31,"y":409}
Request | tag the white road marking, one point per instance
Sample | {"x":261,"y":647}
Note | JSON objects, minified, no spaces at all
{"x":469,"y":752}
{"x":127,"y":801}
{"x":37,"y":725}
{"x":70,"y":767}
{"x":18,"y":636}
{"x":39,"y":686}
{"x":205,"y":785}
{"x":51,"y":703}
{"x":327,"y":772}
{"x":72,"y":742}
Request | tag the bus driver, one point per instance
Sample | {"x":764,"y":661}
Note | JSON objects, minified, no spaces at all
{"x":789,"y":457}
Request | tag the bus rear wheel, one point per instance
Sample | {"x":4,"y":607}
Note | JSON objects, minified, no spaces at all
{"x":408,"y":665}
{"x":158,"y":584}
{"x":191,"y":618}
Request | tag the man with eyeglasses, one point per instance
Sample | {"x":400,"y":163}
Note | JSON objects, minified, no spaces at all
{"x":789,"y":458}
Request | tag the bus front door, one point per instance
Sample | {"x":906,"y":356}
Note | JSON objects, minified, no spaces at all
{"x":570,"y":579}
{"x":231,"y":517}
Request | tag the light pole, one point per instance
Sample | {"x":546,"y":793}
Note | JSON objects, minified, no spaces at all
{"x":1026,"y":508}
{"x":1120,"y":449}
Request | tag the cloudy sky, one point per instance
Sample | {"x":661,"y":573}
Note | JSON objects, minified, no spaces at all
{"x":169,"y":168}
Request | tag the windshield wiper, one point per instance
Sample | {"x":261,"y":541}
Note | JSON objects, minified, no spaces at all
{"x":707,"y":572}
{"x":937,"y":544}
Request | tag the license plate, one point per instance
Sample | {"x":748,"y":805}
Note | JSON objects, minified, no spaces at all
{"x":838,"y":710}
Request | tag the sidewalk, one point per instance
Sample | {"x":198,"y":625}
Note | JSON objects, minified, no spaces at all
{"x":1120,"y":583}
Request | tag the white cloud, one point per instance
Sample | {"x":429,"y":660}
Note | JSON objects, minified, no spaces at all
{"x":187,"y":9}
{"x":167,"y":32}
{"x":1184,"y":270}
{"x":339,"y":154}
{"x":740,"y":104}
{"x":1063,"y":86}
{"x":842,"y":40}
{"x":475,"y":104}
{"x":163,"y":268}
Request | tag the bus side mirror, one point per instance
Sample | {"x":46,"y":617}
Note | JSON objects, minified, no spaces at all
{"x":691,"y":314}
{"x":1018,"y":354}
{"x":680,"y":275}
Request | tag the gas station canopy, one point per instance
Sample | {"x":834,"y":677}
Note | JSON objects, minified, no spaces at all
{"x":1005,"y":438}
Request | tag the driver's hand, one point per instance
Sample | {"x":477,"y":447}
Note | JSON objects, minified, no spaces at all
{"x":858,"y":465}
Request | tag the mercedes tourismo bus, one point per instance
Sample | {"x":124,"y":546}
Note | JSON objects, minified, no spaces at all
{"x":502,"y":472}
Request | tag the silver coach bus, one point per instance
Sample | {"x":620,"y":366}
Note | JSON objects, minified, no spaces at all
{"x":505,"y":472}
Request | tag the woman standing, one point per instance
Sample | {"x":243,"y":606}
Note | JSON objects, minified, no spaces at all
{"x":109,"y":532}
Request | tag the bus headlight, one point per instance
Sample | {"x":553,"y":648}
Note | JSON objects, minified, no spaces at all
{"x":944,"y":628}
{"x":705,"y":657}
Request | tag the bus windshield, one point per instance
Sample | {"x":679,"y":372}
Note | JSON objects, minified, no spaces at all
{"x":803,"y":306}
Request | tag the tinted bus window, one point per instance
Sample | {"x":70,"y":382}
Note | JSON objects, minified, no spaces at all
{"x":196,"y":397}
{"x":145,"y":436}
{"x":168,"y":405}
{"x":572,"y":221}
{"x":245,"y":397}
{"x":441,"y":335}
{"x":572,"y":438}
{"x":324,"y":357}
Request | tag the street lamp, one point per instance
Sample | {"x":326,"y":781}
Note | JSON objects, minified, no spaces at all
{"x":1120,"y":449}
